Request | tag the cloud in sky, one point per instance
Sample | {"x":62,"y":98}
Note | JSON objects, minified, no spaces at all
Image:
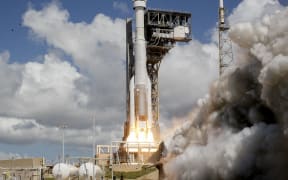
{"x":121,"y":6}
{"x":38,"y":96}
{"x":48,"y":94}
{"x":29,"y":131}
{"x":185,"y":75}
{"x":97,"y":51}
{"x":7,"y":155}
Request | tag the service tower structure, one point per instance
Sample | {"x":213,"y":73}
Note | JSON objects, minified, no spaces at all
{"x":224,"y":44}
{"x":157,"y":31}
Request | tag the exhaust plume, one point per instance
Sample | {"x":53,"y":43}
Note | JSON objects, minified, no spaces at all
{"x":239,"y":131}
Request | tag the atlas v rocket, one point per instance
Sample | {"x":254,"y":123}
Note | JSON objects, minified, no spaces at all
{"x":140,"y":85}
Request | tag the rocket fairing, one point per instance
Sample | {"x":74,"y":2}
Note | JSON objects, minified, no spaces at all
{"x":140,"y":85}
{"x":221,"y":4}
{"x":221,"y":12}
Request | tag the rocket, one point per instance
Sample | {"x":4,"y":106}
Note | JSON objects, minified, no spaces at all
{"x":140,"y":85}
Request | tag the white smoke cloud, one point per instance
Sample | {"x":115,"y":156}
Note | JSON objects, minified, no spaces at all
{"x":239,"y":131}
{"x":191,"y":66}
{"x":248,"y":11}
{"x":267,"y":41}
{"x":185,"y":69}
{"x":230,"y":155}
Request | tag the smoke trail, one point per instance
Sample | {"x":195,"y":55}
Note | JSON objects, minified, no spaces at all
{"x":240,"y":130}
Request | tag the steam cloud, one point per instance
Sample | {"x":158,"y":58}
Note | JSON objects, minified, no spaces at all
{"x":239,"y":131}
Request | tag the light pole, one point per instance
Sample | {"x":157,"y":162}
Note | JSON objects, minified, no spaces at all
{"x":63,"y":142}
{"x":93,"y":150}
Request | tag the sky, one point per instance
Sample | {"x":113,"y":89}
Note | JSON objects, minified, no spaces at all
{"x":63,"y":62}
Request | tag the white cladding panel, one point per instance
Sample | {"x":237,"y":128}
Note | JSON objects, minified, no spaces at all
{"x":181,"y":32}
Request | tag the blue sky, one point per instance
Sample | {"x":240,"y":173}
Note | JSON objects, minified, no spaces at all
{"x":15,"y":38}
{"x":57,"y":76}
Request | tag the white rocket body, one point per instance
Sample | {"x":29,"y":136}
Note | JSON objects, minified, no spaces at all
{"x":140,"y":85}
{"x":221,"y":4}
{"x":221,"y":11}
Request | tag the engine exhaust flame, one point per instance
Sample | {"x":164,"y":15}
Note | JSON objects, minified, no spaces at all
{"x":141,"y":141}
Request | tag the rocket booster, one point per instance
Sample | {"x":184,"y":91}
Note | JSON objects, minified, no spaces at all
{"x":140,"y":85}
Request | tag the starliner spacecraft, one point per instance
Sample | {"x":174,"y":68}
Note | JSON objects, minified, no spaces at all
{"x":156,"y":33}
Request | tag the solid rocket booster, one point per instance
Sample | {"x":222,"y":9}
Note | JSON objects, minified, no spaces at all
{"x":140,"y":85}
{"x":221,"y":12}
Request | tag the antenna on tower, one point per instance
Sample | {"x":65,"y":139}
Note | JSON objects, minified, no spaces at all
{"x":225,"y":45}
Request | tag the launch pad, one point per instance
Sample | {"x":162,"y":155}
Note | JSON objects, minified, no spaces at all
{"x":120,"y":152}
{"x":157,"y":31}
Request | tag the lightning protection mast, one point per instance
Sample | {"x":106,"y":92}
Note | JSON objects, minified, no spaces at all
{"x":225,"y":45}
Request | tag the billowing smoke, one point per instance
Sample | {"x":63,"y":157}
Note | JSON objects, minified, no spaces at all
{"x":239,"y":131}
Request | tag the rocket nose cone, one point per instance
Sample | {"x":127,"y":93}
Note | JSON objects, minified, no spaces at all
{"x":140,"y":3}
